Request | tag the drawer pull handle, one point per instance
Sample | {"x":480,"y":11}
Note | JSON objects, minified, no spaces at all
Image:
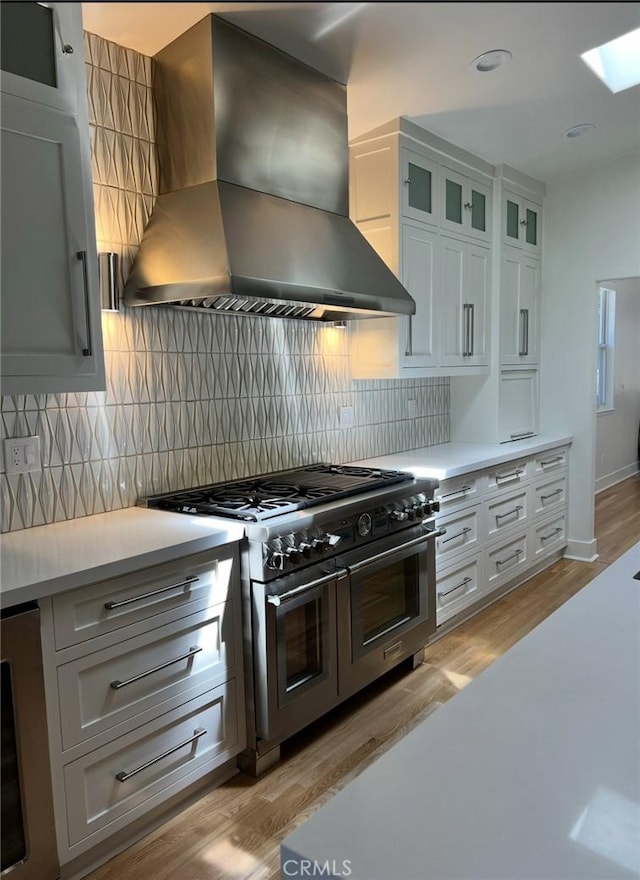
{"x":551,"y":461}
{"x":551,"y":495}
{"x":509,"y":558}
{"x":117,"y":684}
{"x":109,"y":606}
{"x":457,"y":535}
{"x":551,"y":534}
{"x":460,"y":491}
{"x":514,"y":475}
{"x":509,"y":512}
{"x":123,"y":775}
{"x":522,"y":435}
{"x":463,"y":583}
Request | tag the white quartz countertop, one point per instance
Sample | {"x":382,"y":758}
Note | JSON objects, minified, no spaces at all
{"x":531,"y":772}
{"x":50,"y":559}
{"x":452,"y":459}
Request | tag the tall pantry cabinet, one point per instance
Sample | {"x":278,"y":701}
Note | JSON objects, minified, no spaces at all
{"x":464,"y":237}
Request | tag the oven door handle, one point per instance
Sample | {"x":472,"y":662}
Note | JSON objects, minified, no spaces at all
{"x":432,"y":533}
{"x":275,"y":599}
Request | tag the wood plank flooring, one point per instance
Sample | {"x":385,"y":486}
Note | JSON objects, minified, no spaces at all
{"x":234,"y":832}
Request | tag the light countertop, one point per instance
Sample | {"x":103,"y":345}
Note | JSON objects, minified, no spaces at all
{"x":50,"y":559}
{"x":531,"y":772}
{"x":452,"y":459}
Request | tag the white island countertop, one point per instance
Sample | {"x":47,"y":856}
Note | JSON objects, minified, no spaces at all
{"x":51,"y":559}
{"x":452,"y":459}
{"x":532,"y":772}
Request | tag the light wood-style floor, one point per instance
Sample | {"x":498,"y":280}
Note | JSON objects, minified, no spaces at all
{"x":234,"y":832}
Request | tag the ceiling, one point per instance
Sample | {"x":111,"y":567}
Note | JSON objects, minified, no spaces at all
{"x":413,"y":59}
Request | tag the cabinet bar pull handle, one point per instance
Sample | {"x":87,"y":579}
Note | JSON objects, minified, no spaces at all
{"x":472,"y":328}
{"x":551,"y":495}
{"x":463,"y":583}
{"x":512,"y":476}
{"x":509,"y":512}
{"x":123,"y":775}
{"x":117,"y":684}
{"x":509,"y":558}
{"x":82,"y":256}
{"x":551,"y":535}
{"x":460,"y":491}
{"x":457,"y":535}
{"x":524,"y":332}
{"x":465,"y":339}
{"x":522,"y":435}
{"x":191,"y":579}
{"x":551,"y":461}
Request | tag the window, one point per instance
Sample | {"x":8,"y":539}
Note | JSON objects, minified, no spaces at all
{"x":606,"y":331}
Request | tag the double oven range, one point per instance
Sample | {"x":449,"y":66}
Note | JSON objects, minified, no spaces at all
{"x":338,"y":586}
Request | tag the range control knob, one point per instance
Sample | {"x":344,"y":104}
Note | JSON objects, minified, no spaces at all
{"x":276,"y":561}
{"x":305,"y":549}
{"x":364,"y":524}
{"x":420,"y":511}
{"x":332,"y":541}
{"x":318,"y":545}
{"x":293,"y":555}
{"x":434,"y":506}
{"x":399,"y":515}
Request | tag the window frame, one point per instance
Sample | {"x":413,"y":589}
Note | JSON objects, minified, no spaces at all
{"x":605,"y":351}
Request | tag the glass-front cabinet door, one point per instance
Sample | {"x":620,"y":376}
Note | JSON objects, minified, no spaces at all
{"x":465,"y":205}
{"x":419,"y":182}
{"x":521,"y":223}
{"x":40,"y":44}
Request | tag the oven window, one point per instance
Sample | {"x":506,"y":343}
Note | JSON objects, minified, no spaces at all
{"x":388,"y":597}
{"x":303,"y":643}
{"x":13,"y":843}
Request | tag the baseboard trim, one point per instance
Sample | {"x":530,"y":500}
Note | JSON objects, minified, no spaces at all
{"x":616,"y":477}
{"x":582,"y":551}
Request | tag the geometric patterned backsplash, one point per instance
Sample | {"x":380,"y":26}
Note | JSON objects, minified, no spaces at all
{"x":191,"y":398}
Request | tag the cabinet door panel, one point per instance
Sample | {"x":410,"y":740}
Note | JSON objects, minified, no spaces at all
{"x":518,"y":404}
{"x":419,"y":277}
{"x":512,"y":221}
{"x":42,"y":47}
{"x":476,"y":296}
{"x":452,"y":256}
{"x":419,"y":180}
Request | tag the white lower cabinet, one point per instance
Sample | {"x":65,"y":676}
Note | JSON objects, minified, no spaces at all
{"x":501,"y":523}
{"x":145,"y":692}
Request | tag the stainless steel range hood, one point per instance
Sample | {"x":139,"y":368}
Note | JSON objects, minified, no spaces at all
{"x":253,"y":212}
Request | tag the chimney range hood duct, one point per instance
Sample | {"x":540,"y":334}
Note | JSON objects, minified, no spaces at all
{"x":253,"y":212}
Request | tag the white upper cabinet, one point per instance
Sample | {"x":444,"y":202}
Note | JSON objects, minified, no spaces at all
{"x":40,"y":48}
{"x":466,"y":205}
{"x":50,"y":314}
{"x":519,"y":308}
{"x":419,"y":187}
{"x":464,"y":303}
{"x":521,"y":223}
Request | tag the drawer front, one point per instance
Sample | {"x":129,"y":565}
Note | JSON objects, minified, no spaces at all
{"x":462,"y":533}
{"x":164,"y":592}
{"x":120,"y":780}
{"x":505,"y":560}
{"x":458,"y":586}
{"x":103,"y":689}
{"x":506,"y":511}
{"x":550,"y":494}
{"x":458,"y":491}
{"x":507,"y":476}
{"x":550,"y":461}
{"x":550,"y":535}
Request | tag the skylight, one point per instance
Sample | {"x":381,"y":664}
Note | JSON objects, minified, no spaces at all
{"x":617,"y":63}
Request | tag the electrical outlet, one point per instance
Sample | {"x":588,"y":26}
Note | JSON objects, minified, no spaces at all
{"x":346,"y":417}
{"x":412,"y":408}
{"x":22,"y":454}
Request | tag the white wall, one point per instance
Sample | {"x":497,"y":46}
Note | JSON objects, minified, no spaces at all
{"x":591,"y":233}
{"x":617,"y":430}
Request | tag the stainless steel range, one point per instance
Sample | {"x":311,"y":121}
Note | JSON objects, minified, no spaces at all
{"x":338,"y":586}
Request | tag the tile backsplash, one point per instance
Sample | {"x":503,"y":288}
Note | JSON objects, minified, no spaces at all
{"x":191,"y":398}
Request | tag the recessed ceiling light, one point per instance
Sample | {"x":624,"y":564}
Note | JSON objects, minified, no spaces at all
{"x":577,"y":131}
{"x":617,"y":63}
{"x":491,"y":60}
